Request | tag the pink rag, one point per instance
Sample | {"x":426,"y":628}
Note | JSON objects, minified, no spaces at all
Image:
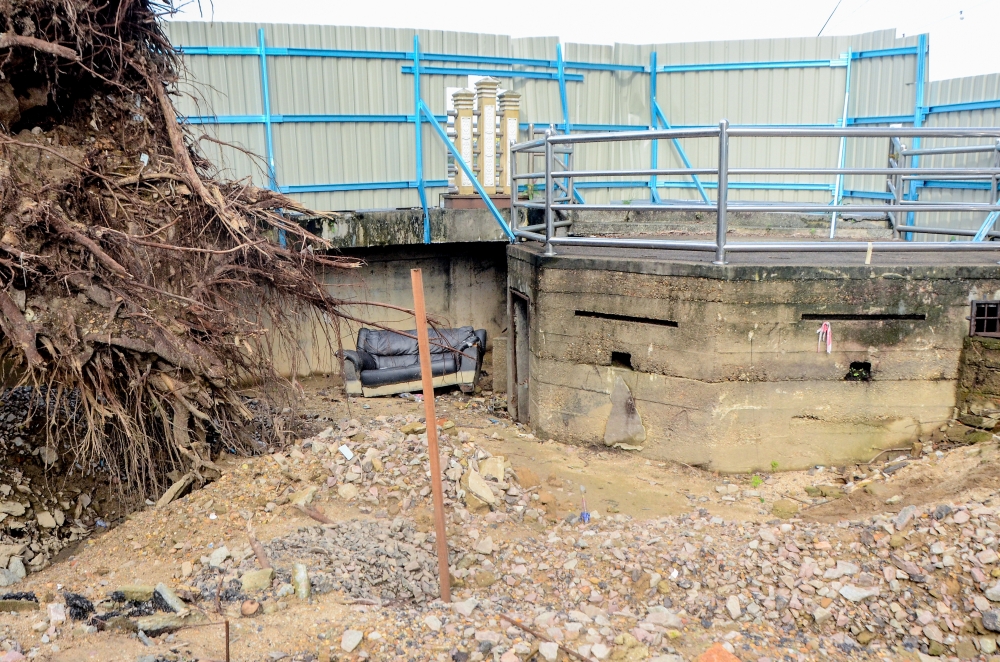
{"x":825,"y":333}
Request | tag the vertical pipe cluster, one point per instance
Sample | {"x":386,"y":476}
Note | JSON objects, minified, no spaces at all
{"x":486,"y":100}
{"x":464,"y":101}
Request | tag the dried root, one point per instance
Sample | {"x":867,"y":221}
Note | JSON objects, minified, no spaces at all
{"x":137,"y":292}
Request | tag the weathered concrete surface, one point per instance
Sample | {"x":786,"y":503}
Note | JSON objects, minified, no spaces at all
{"x":979,"y":375}
{"x":738,"y":383}
{"x":774,"y":224}
{"x":403,"y":227}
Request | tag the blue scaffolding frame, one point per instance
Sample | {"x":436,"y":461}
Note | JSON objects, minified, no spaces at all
{"x":414,"y":63}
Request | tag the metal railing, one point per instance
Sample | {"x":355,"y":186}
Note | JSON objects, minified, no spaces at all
{"x":895,"y":174}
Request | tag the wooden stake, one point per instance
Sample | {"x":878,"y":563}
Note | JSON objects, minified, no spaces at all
{"x":423,"y":342}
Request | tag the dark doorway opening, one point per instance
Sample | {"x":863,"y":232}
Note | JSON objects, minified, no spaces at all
{"x":520,"y":352}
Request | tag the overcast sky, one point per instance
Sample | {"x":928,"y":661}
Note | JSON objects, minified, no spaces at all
{"x":963,"y":34}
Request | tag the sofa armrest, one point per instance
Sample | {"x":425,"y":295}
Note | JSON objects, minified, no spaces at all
{"x":359,"y":360}
{"x":471,"y":357}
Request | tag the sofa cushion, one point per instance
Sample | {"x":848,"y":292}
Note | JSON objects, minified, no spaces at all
{"x":440,"y":365}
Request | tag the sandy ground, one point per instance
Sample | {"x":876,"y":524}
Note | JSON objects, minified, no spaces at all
{"x":152,"y":544}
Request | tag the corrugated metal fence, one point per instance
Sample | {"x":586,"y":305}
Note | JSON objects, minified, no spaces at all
{"x":328,"y":114}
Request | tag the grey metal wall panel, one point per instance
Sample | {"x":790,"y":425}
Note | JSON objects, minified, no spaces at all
{"x":344,"y":153}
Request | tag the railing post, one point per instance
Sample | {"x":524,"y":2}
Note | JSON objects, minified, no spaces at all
{"x":895,"y":182}
{"x":723,"y":194}
{"x":549,"y":217}
{"x":510,"y":176}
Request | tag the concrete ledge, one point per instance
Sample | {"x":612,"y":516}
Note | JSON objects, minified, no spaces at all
{"x":764,"y":266}
{"x":399,"y":227}
{"x":640,"y":222}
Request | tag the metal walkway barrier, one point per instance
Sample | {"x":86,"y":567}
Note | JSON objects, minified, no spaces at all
{"x":559,"y":196}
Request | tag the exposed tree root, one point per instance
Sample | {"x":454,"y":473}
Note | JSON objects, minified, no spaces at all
{"x":137,"y":292}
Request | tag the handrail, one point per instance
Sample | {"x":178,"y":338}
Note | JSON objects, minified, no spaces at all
{"x":553,"y":206}
{"x":968,"y":173}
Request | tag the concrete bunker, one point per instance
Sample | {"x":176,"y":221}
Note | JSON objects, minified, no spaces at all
{"x":722,"y":363}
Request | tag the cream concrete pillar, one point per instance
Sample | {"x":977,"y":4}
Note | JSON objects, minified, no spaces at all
{"x":486,"y":99}
{"x":510,"y":117}
{"x":463,"y":100}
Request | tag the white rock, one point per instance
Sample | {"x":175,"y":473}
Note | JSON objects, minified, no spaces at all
{"x":667,"y":658}
{"x":485,"y":546}
{"x":856,"y":593}
{"x":46,"y":519}
{"x":993,"y":592}
{"x":347,"y":491}
{"x":479,"y":487}
{"x":933,"y":633}
{"x":466,"y":607}
{"x":821,"y":615}
{"x":842,"y":569}
{"x":218,"y":557}
{"x":733,"y":607}
{"x":659,"y":615}
{"x":492,"y":467}
{"x":545,"y":619}
{"x":433,"y":622}
{"x":12,"y":508}
{"x":351,"y":639}
{"x":600,"y":651}
{"x":549,"y":650}
{"x":57,"y":613}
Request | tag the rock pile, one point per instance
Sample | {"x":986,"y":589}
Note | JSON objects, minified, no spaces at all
{"x":383,"y":465}
{"x":919,"y":581}
{"x":38,"y":516}
{"x":373,"y":560}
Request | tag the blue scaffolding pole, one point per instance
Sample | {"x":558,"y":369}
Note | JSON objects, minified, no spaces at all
{"x":918,"y":120}
{"x":265,"y":88}
{"x":681,"y":153}
{"x":654,"y":149}
{"x":417,"y":105}
{"x":562,"y":76}
{"x":839,"y":190}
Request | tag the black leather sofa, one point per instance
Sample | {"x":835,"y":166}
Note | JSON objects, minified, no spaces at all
{"x":387,"y":362}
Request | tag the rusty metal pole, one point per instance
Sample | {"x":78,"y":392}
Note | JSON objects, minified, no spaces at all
{"x":420,"y":313}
